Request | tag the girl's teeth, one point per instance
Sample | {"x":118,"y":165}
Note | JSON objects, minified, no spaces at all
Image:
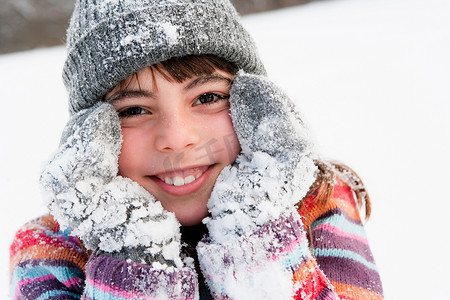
{"x":178,"y":181}
{"x":189,"y":179}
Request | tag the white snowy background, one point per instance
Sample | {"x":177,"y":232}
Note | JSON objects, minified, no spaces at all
{"x":372,"y":78}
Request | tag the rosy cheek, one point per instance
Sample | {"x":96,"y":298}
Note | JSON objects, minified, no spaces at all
{"x":230,"y":139}
{"x":128,"y":157}
{"x":234,"y":147}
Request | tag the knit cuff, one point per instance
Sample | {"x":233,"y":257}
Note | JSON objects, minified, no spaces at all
{"x":108,"y":277}
{"x":258,"y":265}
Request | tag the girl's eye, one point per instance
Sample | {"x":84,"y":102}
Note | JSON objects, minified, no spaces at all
{"x":210,"y":98}
{"x":132,"y":111}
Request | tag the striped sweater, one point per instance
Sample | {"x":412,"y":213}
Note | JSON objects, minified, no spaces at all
{"x":47,"y":263}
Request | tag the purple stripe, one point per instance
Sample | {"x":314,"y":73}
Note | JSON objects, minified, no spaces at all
{"x":65,"y":297}
{"x":349,"y":272}
{"x":49,"y":262}
{"x":285,"y":230}
{"x":34,"y":290}
{"x":324,"y":239}
{"x":138,"y":278}
{"x":52,"y":284}
{"x":282,"y":232}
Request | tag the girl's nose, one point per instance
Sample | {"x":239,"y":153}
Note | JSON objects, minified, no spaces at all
{"x":176,"y":132}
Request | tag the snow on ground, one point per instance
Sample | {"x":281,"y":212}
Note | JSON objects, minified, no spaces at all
{"x":371,"y":78}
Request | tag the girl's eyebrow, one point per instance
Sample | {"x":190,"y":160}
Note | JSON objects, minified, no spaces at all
{"x":123,"y":94}
{"x":205,"y":79}
{"x":127,"y":93}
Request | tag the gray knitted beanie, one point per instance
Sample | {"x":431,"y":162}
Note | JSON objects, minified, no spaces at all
{"x":109,"y":40}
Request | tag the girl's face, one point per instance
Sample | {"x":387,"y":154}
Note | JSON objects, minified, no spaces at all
{"x":177,"y":137}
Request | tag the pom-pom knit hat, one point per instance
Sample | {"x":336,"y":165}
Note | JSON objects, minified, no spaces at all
{"x":109,"y":40}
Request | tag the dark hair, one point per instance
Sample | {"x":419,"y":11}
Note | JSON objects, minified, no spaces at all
{"x":182,"y":68}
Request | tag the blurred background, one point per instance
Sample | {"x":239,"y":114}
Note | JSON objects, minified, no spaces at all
{"x":28,"y":24}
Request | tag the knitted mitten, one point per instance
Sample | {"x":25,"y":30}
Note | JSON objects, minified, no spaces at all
{"x":275,"y":168}
{"x":257,"y":247}
{"x":109,"y":213}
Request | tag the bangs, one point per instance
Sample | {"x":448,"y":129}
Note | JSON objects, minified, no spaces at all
{"x":181,"y":68}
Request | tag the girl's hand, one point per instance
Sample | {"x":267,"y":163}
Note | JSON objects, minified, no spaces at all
{"x":109,"y":213}
{"x":275,"y":168}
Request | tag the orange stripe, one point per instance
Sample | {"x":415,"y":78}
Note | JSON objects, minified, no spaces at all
{"x":46,"y":222}
{"x":301,"y":274}
{"x":47,"y":252}
{"x":311,"y":280}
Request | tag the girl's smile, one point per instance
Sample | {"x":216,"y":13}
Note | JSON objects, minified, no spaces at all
{"x":183,"y":182}
{"x":177,"y":137}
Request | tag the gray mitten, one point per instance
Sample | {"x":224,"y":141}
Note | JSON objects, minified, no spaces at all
{"x":109,"y":213}
{"x":275,"y":168}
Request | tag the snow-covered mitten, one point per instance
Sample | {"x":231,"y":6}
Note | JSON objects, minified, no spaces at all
{"x":109,"y":213}
{"x":275,"y":168}
{"x":256,"y":238}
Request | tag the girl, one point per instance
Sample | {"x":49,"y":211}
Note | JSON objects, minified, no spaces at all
{"x":184,"y":173}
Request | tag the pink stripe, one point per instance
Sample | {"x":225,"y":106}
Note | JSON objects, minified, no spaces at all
{"x":110,"y":291}
{"x":337,"y":231}
{"x":290,"y":248}
{"x":30,"y":280}
{"x":71,"y":281}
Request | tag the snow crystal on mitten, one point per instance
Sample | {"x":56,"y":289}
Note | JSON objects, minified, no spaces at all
{"x":275,"y":168}
{"x":108,"y":212}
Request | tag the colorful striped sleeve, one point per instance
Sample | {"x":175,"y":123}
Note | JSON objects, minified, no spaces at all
{"x":46,"y":263}
{"x":339,"y":244}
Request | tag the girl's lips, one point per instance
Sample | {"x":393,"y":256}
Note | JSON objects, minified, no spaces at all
{"x":183,"y":182}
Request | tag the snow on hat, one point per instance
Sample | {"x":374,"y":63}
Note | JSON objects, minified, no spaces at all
{"x":109,"y":40}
